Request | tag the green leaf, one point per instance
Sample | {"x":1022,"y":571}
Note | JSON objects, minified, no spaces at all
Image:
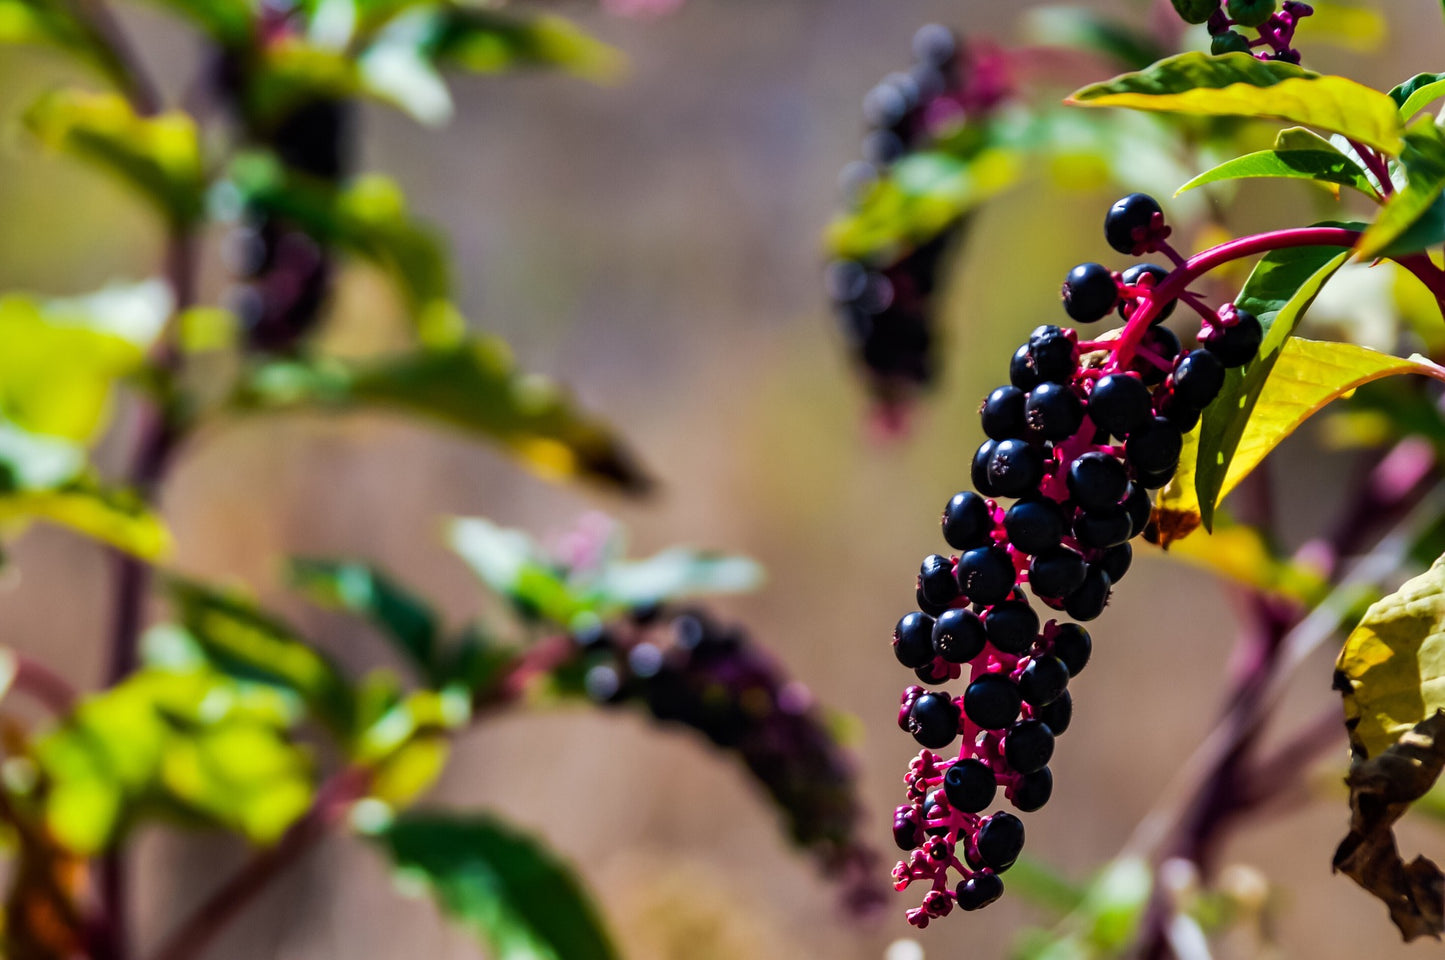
{"x":1415,"y":93}
{"x":367,"y":218}
{"x":1238,"y":85}
{"x":1306,"y":377}
{"x":53,"y":24}
{"x":1424,"y":162}
{"x":1313,"y":159}
{"x":120,"y":518}
{"x":474,"y":387}
{"x":511,"y":564}
{"x":1087,"y":30}
{"x":363,"y":590}
{"x":160,"y":156}
{"x":489,"y":41}
{"x":190,"y":743}
{"x":500,"y":885}
{"x":62,"y":357}
{"x":240,"y":640}
{"x":1281,"y":288}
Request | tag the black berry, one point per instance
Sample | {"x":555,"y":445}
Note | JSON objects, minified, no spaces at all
{"x":933,"y":721}
{"x":1003,"y":413}
{"x":1053,"y":411}
{"x":1098,"y":529}
{"x":1250,"y":13}
{"x":1237,"y":345}
{"x":1139,"y":508}
{"x":992,"y":701}
{"x":1058,"y":714}
{"x":1001,"y":840}
{"x":1198,"y":379}
{"x":986,"y":575}
{"x":1196,"y":11}
{"x":1127,"y":225}
{"x":979,"y":891}
{"x":1032,"y":791}
{"x":913,"y":640}
{"x":1015,"y":468}
{"x":908,"y":828}
{"x":1057,"y":572}
{"x":1089,"y":292}
{"x":1028,"y":746}
{"x":1120,"y":403}
{"x":1012,"y":626}
{"x":979,"y":471}
{"x":1155,"y":448}
{"x":1097,"y":481}
{"x":1073,"y":645}
{"x":969,"y":785}
{"x":1054,"y":355}
{"x":933,"y":673}
{"x":1043,"y":680}
{"x":1089,"y":600}
{"x":967,"y":521}
{"x":1021,"y":372}
{"x":957,"y":636}
{"x":1034,"y":526}
{"x":1116,"y":561}
{"x":936,"y":580}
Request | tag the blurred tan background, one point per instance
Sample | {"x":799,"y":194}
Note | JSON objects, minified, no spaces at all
{"x":655,"y":245}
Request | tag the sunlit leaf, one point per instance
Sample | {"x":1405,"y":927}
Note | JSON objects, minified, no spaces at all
{"x":1241,"y":553}
{"x":1423,"y":160}
{"x":491,"y":41}
{"x":474,"y":387}
{"x":1308,"y":375}
{"x":511,"y":564}
{"x":498,"y":884}
{"x":1238,"y":85}
{"x":1281,"y":288}
{"x":117,"y":517}
{"x":1322,"y":163}
{"x":1392,"y":675}
{"x":247,"y":643}
{"x":361,"y":589}
{"x":1414,"y":94}
{"x":193,"y":743}
{"x":160,"y":156}
{"x":62,"y":357}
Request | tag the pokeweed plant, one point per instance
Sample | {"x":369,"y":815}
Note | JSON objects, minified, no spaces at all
{"x":1101,"y":438}
{"x":223,"y":716}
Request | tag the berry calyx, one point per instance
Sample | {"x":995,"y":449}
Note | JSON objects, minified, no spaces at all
{"x":1089,"y":292}
{"x":1129,"y":225}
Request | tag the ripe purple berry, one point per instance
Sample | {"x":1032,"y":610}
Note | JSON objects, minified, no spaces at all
{"x":1119,"y":404}
{"x":1035,"y":526}
{"x":1032,"y":791}
{"x":992,"y":701}
{"x":1000,"y":841}
{"x":1089,"y":600}
{"x":1043,"y":680}
{"x":1073,"y":645}
{"x":1003,"y":413}
{"x":967,"y":521}
{"x":1012,"y":626}
{"x":1028,"y":746}
{"x":969,"y":785}
{"x":1237,"y":344}
{"x":957,"y":636}
{"x":1053,"y":411}
{"x":1057,"y":714}
{"x":986,"y":575}
{"x":933,"y":721}
{"x":1015,"y":468}
{"x":1056,"y":573}
{"x":1198,"y":379}
{"x":1128,"y":223}
{"x":979,"y":891}
{"x":1097,"y":481}
{"x":913,"y":640}
{"x":936,"y":581}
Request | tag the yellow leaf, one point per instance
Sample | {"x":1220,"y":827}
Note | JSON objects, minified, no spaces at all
{"x":1308,"y":375}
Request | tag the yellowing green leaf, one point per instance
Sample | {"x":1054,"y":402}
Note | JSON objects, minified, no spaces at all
{"x":160,"y":155}
{"x":1238,"y":85}
{"x":117,"y":517}
{"x":490,"y":41}
{"x":474,"y":387}
{"x":1424,"y":162}
{"x":1414,"y":94}
{"x":411,"y":771}
{"x":62,"y":358}
{"x":1240,"y":553}
{"x":1308,"y":375}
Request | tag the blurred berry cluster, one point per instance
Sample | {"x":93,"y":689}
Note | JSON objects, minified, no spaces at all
{"x":884,"y":302}
{"x":687,"y":669}
{"x":1274,"y":26}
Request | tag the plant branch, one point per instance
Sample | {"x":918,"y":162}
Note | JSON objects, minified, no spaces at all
{"x":98,"y":19}
{"x":201,"y":928}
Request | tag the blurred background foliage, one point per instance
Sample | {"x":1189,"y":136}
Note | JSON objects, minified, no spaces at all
{"x":653,"y":243}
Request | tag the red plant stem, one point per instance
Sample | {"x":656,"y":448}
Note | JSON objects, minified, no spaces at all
{"x":200,"y":929}
{"x":52,"y":690}
{"x":1376,"y":165}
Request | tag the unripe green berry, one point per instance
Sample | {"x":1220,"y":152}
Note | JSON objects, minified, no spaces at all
{"x":1250,"y":13}
{"x":1229,"y":42}
{"x":1196,"y":11}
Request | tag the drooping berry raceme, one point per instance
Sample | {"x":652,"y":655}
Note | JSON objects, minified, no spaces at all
{"x":1273,"y":24}
{"x":884,"y":300}
{"x":1075,"y":442}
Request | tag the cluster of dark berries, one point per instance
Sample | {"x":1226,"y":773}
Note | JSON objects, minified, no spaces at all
{"x":282,"y":276}
{"x":1274,"y":26}
{"x":687,"y":669}
{"x":885,"y":304}
{"x":1076,"y":440}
